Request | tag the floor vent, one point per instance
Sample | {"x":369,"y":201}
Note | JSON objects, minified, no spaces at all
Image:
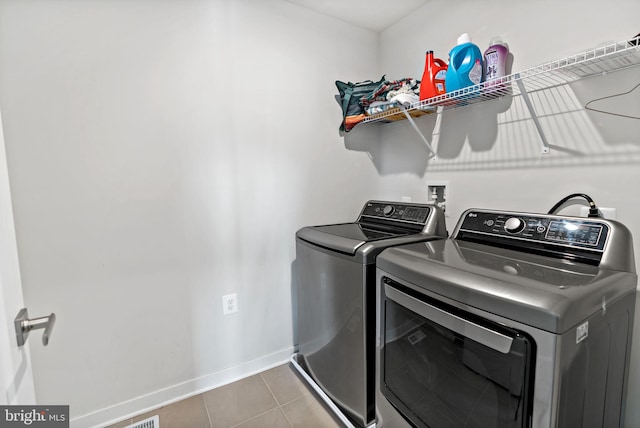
{"x":152,"y":422}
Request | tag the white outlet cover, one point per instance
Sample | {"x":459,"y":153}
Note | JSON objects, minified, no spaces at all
{"x":230,"y":303}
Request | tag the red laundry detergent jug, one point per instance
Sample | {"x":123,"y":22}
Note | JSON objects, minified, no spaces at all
{"x":433,"y":78}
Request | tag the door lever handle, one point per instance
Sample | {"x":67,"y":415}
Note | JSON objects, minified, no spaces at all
{"x":24,"y":325}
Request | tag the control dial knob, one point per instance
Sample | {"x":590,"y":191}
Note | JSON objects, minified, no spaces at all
{"x":514,"y":225}
{"x":388,"y":210}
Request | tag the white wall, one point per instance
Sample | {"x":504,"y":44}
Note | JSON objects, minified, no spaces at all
{"x":163,"y":154}
{"x":490,"y":153}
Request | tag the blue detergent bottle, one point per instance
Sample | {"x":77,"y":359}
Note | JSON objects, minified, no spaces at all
{"x":465,"y":65}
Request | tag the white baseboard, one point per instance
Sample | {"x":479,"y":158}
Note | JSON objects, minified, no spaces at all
{"x":128,"y":409}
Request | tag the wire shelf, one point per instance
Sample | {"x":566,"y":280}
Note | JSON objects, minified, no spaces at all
{"x":602,"y":60}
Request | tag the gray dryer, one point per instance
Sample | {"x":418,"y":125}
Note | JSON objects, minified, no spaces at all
{"x":518,"y":320}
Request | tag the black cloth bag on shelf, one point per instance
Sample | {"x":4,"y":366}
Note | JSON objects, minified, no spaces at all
{"x":350,"y":95}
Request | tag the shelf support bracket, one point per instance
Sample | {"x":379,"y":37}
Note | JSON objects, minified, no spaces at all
{"x":536,"y":122}
{"x":420,"y":134}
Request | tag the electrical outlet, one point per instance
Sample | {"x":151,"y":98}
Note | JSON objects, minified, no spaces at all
{"x":230,"y":303}
{"x":608,"y":213}
{"x":438,"y":193}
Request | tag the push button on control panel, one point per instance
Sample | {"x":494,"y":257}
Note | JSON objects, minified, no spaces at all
{"x":514,"y":225}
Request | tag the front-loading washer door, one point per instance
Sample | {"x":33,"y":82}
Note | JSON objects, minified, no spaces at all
{"x":443,"y":367}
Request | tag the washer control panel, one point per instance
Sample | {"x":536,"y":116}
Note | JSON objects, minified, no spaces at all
{"x":525,"y":228}
{"x":397,"y":212}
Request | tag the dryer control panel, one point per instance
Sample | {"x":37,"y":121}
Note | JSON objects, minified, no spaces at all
{"x":566,"y":237}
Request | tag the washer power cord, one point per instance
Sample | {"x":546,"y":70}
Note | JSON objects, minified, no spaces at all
{"x":593,"y":209}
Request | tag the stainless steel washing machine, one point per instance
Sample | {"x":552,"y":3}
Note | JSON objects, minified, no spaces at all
{"x":519,"y":320}
{"x":335,"y":285}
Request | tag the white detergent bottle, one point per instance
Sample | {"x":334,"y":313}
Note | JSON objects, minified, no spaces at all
{"x":495,"y":59}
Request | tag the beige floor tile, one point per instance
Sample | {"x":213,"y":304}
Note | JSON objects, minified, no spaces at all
{"x":272,"y":419}
{"x":189,"y":413}
{"x":276,"y":398}
{"x":238,"y":402}
{"x":307,"y":412}
{"x":285,"y":384}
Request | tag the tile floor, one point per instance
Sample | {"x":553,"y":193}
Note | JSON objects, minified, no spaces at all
{"x":276,"y":398}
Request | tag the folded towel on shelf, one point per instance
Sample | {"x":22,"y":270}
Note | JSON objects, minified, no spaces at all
{"x":405,"y":98}
{"x":380,"y":106}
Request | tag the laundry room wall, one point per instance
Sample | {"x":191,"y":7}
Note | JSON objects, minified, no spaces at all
{"x":161,"y":155}
{"x":490,"y":153}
